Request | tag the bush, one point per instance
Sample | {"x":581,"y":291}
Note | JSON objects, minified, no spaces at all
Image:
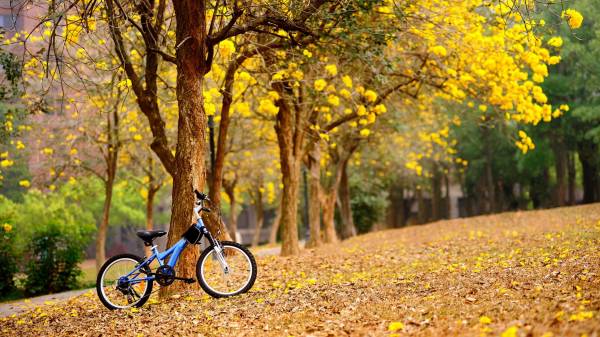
{"x":54,"y":263}
{"x":8,"y":259}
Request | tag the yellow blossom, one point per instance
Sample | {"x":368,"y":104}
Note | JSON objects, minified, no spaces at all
{"x":24,"y":183}
{"x":320,"y":84}
{"x":7,"y":228}
{"x":574,"y":18}
{"x":331,"y":69}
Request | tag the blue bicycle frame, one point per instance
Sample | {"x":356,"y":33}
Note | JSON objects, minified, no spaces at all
{"x":174,"y":252}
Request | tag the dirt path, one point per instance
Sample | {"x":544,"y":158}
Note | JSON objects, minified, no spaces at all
{"x":20,"y":306}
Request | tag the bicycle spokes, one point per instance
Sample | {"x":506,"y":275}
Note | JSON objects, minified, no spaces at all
{"x":226,"y":272}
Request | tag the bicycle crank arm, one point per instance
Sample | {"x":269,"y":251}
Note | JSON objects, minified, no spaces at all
{"x":186,"y":280}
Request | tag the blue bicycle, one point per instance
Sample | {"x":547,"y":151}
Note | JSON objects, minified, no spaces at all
{"x":223,"y":269}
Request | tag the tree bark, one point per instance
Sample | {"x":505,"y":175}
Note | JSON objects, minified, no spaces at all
{"x":260,"y":216}
{"x":348,"y":227}
{"x":110,"y":158}
{"x":448,"y":205}
{"x":230,"y":190}
{"x":489,"y":173}
{"x":588,"y":153}
{"x":101,"y":235}
{"x":422,"y":212}
{"x":275,"y":226}
{"x":314,"y":204}
{"x":189,"y":173}
{"x":329,"y":199}
{"x":571,"y":177}
{"x":560,"y":163}
{"x":289,"y":139}
{"x":152,"y":190}
{"x":436,"y":193}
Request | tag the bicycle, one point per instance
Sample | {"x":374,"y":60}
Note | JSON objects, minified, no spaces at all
{"x":223,"y":269}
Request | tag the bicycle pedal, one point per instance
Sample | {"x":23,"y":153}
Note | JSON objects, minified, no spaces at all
{"x":189,"y":280}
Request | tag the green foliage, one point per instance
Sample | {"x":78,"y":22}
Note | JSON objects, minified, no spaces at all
{"x":53,"y":265}
{"x":8,"y":258}
{"x":368,"y":202}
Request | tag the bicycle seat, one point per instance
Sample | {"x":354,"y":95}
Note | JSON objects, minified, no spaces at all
{"x":148,"y":236}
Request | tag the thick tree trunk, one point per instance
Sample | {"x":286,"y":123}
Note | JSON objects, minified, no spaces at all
{"x":289,"y":139}
{"x":314,"y":204}
{"x":260,"y":216}
{"x":101,"y":235}
{"x":329,"y":199}
{"x":348,"y":227}
{"x":189,"y":173}
{"x":275,"y":226}
{"x":290,"y":172}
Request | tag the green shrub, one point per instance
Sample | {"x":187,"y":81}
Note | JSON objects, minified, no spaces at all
{"x":8,"y":259}
{"x":54,"y":262}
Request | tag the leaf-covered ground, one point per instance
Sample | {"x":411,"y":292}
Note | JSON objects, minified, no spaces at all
{"x":515,"y":274}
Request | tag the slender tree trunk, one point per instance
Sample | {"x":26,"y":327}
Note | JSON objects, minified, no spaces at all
{"x":348,"y":227}
{"x":448,"y":204}
{"x":150,"y":211}
{"x":436,"y":193}
{"x":314,"y":205}
{"x":561,"y":165}
{"x":588,"y":156}
{"x":571,"y":177}
{"x":489,"y":173}
{"x":422,"y":214}
{"x":275,"y":226}
{"x":101,"y":235}
{"x":232,"y":221}
{"x":260,"y":216}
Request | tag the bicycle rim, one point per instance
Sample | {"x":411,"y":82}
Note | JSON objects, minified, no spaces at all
{"x":220,"y":282}
{"x":126,"y":296}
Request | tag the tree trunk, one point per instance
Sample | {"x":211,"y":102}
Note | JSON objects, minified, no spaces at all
{"x":571,"y":177}
{"x":150,"y":211}
{"x":489,"y":173}
{"x":448,"y":204}
{"x":260,"y":216}
{"x":101,"y":235}
{"x":436,"y":193}
{"x":329,"y":198}
{"x":421,"y":213}
{"x":588,"y":153}
{"x":189,"y":171}
{"x":560,"y":163}
{"x":348,"y":227}
{"x":314,"y":204}
{"x":275,"y":226}
{"x":289,"y":141}
{"x":230,"y":190}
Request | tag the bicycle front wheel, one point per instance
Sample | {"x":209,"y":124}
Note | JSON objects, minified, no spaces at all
{"x":228,"y":273}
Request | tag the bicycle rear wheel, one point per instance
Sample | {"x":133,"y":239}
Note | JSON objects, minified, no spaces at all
{"x":234,"y":278}
{"x":117,"y":288}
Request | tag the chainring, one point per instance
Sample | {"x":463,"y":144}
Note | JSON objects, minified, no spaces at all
{"x":165,"y":275}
